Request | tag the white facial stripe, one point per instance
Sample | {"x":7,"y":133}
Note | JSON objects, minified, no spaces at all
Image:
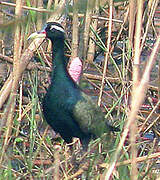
{"x":57,"y":28}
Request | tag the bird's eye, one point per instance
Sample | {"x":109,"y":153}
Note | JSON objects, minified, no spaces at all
{"x":58,"y":28}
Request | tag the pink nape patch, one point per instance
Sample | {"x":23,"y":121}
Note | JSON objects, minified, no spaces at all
{"x":75,"y":69}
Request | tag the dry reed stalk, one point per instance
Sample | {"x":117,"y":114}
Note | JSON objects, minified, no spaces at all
{"x":94,"y":24}
{"x":9,"y":112}
{"x":99,"y":77}
{"x":20,"y":109}
{"x":135,"y":77}
{"x":159,"y":80}
{"x":20,"y":83}
{"x":107,"y":51}
{"x":26,"y":7}
{"x":39,"y":16}
{"x":106,"y":19}
{"x":75,"y":30}
{"x":4,"y":93}
{"x":132,"y":15}
{"x":30,"y":66}
{"x":56,"y":171}
{"x":99,"y":18}
{"x":58,"y":10}
{"x":154,"y":122}
{"x":33,"y":3}
{"x":87,"y":27}
{"x":150,"y":115}
{"x":138,"y":159}
{"x":49,"y":4}
{"x":140,"y":93}
{"x":2,"y":44}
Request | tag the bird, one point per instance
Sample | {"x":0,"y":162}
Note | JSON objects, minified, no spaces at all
{"x":66,"y":108}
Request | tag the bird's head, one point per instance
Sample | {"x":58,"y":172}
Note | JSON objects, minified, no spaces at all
{"x":52,"y":31}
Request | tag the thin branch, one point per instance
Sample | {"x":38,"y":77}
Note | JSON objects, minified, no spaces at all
{"x":26,"y":7}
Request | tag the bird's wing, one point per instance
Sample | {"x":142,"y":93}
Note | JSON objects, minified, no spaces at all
{"x":89,"y":116}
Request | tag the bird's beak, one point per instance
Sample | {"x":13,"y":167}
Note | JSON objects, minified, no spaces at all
{"x":41,"y":34}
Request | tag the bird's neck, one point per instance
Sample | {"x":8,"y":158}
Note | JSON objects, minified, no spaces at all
{"x":59,"y":62}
